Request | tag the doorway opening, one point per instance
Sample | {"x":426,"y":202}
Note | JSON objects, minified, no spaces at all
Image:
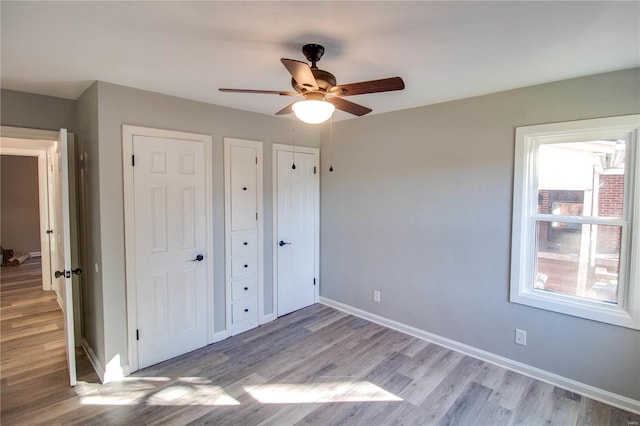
{"x":52,"y":271}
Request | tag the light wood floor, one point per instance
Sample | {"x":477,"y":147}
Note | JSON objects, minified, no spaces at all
{"x":316,"y":366}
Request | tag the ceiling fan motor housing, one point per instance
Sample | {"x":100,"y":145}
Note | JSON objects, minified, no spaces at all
{"x":313,"y":53}
{"x":324,"y":79}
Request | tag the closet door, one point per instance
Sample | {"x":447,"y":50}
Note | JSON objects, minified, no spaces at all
{"x":243,"y":234}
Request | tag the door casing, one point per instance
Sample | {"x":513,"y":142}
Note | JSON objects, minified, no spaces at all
{"x":128,"y":134}
{"x":47,"y":141}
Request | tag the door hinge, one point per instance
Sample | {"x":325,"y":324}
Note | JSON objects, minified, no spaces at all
{"x":314,"y":170}
{"x":133,"y":160}
{"x":314,"y":281}
{"x":256,"y":160}
{"x":256,"y":215}
{"x":137,"y":334}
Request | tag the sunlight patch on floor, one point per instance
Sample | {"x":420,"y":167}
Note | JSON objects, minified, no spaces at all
{"x":191,"y":394}
{"x":154,"y":391}
{"x":283,"y":393}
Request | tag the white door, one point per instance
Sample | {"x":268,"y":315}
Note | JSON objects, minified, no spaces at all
{"x":62,"y":237}
{"x":170,"y":247}
{"x":296,"y":221}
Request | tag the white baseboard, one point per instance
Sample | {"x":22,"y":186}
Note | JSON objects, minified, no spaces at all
{"x":113,"y":371}
{"x":589,"y":391}
{"x":268,"y":318}
{"x":219,"y":336}
{"x":93,"y":359}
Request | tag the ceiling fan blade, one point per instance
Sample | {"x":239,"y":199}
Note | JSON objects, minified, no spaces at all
{"x":266,"y":92}
{"x":286,"y":110}
{"x":301,"y":73}
{"x":373,"y":86}
{"x":349,"y":106}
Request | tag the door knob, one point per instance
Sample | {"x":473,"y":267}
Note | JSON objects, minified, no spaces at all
{"x":282,"y":243}
{"x":67,"y":274}
{"x":199,"y":258}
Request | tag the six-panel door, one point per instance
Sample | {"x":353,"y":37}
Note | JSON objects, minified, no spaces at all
{"x":169,"y":186}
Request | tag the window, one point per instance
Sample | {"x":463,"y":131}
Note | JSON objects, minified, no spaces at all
{"x":576,"y":219}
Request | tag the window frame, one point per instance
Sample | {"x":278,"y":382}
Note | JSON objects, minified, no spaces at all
{"x":528,"y":139}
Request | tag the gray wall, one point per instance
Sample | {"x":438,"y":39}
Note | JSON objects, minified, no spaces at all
{"x":88,"y":196}
{"x":20,"y":212}
{"x":419,"y":207}
{"x":118,"y":105}
{"x":18,"y":109}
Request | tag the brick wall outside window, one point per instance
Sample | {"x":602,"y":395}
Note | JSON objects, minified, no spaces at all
{"x":611,"y":200}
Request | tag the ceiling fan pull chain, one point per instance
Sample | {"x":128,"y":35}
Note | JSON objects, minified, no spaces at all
{"x":293,"y":136}
{"x":331,"y":145}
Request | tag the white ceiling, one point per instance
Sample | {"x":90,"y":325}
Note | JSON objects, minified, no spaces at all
{"x":442,"y":50}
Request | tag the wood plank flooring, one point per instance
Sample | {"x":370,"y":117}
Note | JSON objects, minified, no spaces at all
{"x":33,"y":362}
{"x":317,"y":366}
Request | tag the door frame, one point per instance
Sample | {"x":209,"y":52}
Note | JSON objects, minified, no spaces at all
{"x":274,"y":243}
{"x":128,"y":133}
{"x":48,"y":141}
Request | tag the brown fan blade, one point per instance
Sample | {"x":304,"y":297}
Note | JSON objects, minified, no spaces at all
{"x":349,"y":106}
{"x":265,"y":92}
{"x":286,"y":110}
{"x":373,"y":86}
{"x":301,"y":73}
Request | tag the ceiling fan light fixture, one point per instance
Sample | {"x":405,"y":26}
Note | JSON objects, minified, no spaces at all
{"x":313,"y":111}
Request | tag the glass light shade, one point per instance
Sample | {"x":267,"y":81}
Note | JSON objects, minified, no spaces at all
{"x":313,"y":111}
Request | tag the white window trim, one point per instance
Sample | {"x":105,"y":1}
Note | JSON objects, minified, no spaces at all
{"x":627,"y":312}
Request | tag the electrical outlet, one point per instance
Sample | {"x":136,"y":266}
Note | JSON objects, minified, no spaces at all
{"x":376,"y":296}
{"x":521,"y":337}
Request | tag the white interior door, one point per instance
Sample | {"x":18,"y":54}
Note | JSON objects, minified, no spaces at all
{"x":296,"y":221}
{"x":62,"y":237}
{"x":170,"y":247}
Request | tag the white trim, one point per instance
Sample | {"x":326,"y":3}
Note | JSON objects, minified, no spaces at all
{"x":25,"y":133}
{"x":268,"y":318}
{"x":627,"y":312}
{"x":128,"y":133}
{"x":274,"y":243}
{"x":114,"y":371}
{"x":219,"y":336}
{"x":93,"y":359}
{"x":589,"y":391}
{"x":257,"y":145}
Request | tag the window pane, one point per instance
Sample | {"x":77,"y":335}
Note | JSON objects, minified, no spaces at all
{"x":578,"y":260}
{"x":582,"y":178}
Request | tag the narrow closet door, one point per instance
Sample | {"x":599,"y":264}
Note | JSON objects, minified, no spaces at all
{"x":243,"y":236}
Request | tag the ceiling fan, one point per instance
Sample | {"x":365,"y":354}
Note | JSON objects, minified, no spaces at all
{"x":322,"y":95}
